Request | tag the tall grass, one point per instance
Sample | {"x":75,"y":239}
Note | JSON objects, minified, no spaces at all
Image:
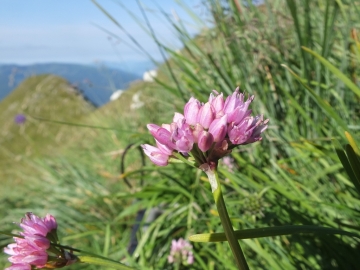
{"x":293,"y":177}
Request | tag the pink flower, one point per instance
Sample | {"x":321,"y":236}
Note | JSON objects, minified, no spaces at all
{"x":164,"y":149}
{"x":207,"y":132}
{"x":259,"y":127}
{"x":153,"y":128}
{"x":33,"y":225}
{"x":233,"y":101}
{"x":30,"y":256}
{"x":182,"y":136}
{"x":219,"y":128}
{"x":248,"y":130}
{"x":178,"y":117}
{"x":32,"y":250}
{"x":206,"y":115}
{"x":19,"y":267}
{"x":206,"y":139}
{"x":50,"y":222}
{"x":229,"y":163}
{"x":181,"y":252}
{"x":191,"y":111}
{"x":156,"y":155}
{"x":196,"y":131}
{"x":217,"y":101}
{"x":162,"y":135}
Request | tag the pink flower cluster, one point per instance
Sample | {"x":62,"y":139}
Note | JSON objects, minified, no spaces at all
{"x":229,"y":163}
{"x":32,"y":249}
{"x":181,"y":252}
{"x":206,"y":131}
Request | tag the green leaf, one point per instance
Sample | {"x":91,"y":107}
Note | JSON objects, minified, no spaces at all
{"x":11,"y":234}
{"x":103,"y":262}
{"x":301,"y":40}
{"x":352,"y":143}
{"x":335,"y":71}
{"x":345,"y":162}
{"x":323,"y":104}
{"x":268,"y":232}
{"x":354,"y":161}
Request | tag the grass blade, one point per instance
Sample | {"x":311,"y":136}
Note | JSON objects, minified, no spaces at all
{"x":335,"y":71}
{"x":270,"y":232}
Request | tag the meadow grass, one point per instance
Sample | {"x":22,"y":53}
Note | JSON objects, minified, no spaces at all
{"x":292,"y":177}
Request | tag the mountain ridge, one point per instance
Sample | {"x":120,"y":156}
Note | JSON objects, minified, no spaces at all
{"x":96,"y":83}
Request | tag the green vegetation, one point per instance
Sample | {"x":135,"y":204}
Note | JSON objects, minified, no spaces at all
{"x":293,"y":177}
{"x":47,"y":97}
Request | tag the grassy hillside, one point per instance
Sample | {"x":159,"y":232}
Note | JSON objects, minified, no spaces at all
{"x":47,"y":97}
{"x":59,"y":120}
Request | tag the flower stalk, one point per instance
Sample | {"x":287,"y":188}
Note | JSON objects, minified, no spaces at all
{"x":224,"y":217}
{"x":201,"y":136}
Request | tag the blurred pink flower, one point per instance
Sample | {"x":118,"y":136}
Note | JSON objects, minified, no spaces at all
{"x":32,"y":249}
{"x":229,"y":163}
{"x":34,"y":225}
{"x":19,"y":267}
{"x":181,"y":252}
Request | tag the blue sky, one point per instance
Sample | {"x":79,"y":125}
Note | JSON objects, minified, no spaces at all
{"x":39,"y":31}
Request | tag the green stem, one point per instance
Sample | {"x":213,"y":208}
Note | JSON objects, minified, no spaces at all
{"x":180,"y":157}
{"x":103,"y":262}
{"x":224,"y":216}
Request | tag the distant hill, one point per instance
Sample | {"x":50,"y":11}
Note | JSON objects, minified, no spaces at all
{"x":44,"y":96}
{"x":96,"y":83}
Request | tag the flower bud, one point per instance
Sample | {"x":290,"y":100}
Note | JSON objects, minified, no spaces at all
{"x":206,"y":115}
{"x":155,"y":155}
{"x":205,"y":141}
{"x":50,"y":222}
{"x":237,"y":115}
{"x":163,"y":148}
{"x":166,"y":126}
{"x":233,"y":101}
{"x":185,"y":144}
{"x":191,"y":111}
{"x":218,"y":128}
{"x":196,"y":132}
{"x":178,"y":117}
{"x":152,"y":128}
{"x":217,"y":102}
{"x":163,"y":136}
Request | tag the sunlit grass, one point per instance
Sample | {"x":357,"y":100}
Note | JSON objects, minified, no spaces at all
{"x":292,"y":177}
